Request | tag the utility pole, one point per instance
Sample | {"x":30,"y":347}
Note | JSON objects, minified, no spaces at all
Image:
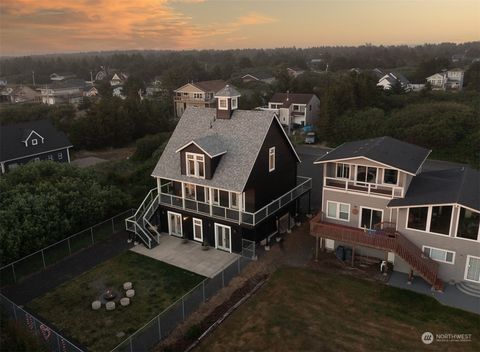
{"x":33,"y":77}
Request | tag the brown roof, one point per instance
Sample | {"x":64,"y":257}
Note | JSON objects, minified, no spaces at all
{"x":291,"y":98}
{"x":210,"y":86}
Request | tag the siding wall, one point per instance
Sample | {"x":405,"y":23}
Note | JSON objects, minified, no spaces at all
{"x":42,"y":156}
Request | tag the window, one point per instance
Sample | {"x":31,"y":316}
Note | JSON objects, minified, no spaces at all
{"x":339,"y":211}
{"x":216,"y":196}
{"x":60,"y":156}
{"x":417,"y":218}
{"x":36,"y":159}
{"x":234,"y":103}
{"x":197,"y":229}
{"x":197,"y":95}
{"x":271,"y":159}
{"x":296,"y":108}
{"x":189,"y":190}
{"x":468,"y":223}
{"x":440,"y":255}
{"x":440,"y":219}
{"x":34,"y":141}
{"x":390,"y":176}
{"x":50,"y":157}
{"x":366,"y":174}
{"x":195,"y":165}
{"x":222,"y":104}
{"x":435,"y":219}
{"x":343,"y":170}
{"x":233,"y":200}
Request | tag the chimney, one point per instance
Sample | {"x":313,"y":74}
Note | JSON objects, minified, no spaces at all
{"x":227,"y":102}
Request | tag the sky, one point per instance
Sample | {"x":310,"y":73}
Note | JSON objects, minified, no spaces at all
{"x":54,"y":26}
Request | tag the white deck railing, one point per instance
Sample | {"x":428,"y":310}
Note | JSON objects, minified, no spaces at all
{"x":386,"y":191}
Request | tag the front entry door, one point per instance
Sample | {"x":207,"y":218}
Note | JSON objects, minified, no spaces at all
{"x":174,"y":224}
{"x":472,"y":273}
{"x":370,"y":217}
{"x":223,"y":237}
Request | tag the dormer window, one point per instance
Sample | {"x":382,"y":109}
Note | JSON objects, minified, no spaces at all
{"x":195,"y":165}
{"x":234,"y":103}
{"x":271,"y":159}
{"x":34,"y":141}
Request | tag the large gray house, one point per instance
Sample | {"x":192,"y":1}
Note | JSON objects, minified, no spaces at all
{"x":378,"y":202}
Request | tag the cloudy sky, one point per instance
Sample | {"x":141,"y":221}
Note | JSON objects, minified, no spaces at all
{"x":46,"y":26}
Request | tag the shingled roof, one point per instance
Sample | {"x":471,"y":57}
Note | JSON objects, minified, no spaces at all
{"x":452,"y":186}
{"x":386,"y":150}
{"x":291,"y":98}
{"x":12,"y":137}
{"x":242,"y":137}
{"x":210,"y":86}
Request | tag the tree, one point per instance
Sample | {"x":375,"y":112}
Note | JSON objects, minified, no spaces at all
{"x":472,"y":77}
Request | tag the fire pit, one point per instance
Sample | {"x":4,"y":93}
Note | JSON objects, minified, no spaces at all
{"x":108,"y":296}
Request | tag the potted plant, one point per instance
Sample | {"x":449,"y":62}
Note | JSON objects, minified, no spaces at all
{"x":205,"y":246}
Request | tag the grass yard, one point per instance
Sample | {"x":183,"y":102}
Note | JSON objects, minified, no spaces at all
{"x":156,"y":284}
{"x":306,"y":310}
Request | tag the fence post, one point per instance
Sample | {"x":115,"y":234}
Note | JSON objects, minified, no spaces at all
{"x":91,"y":232}
{"x":43,"y":259}
{"x":113,"y":226}
{"x":159,"y":329}
{"x":14,"y":276}
{"x":69,"y":248}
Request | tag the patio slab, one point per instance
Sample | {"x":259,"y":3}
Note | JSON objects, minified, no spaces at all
{"x":451,"y":295}
{"x":188,"y":256}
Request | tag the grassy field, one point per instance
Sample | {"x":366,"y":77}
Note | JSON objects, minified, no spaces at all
{"x":305,"y":310}
{"x":156,"y":284}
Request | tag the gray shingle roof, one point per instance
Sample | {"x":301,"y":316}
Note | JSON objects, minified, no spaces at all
{"x":242,"y":136}
{"x":452,"y":186}
{"x":213,"y":145}
{"x":291,"y":98}
{"x":13,"y":135}
{"x":228,"y":91}
{"x":386,"y":150}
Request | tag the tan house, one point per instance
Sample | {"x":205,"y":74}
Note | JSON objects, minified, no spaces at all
{"x":196,"y":94}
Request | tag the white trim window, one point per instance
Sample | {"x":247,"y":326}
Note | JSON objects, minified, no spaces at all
{"x":195,"y":165}
{"x":233,"y":200}
{"x":472,"y":269}
{"x":338,"y":211}
{"x":223,"y":237}
{"x":434,"y":219}
{"x":50,"y":157}
{"x":223,"y":103}
{"x":216,"y":196}
{"x":60,"y":156}
{"x":189,"y":191}
{"x":234,"y":103}
{"x":468,"y":224}
{"x":390,"y":176}
{"x":343,"y":171}
{"x":366,"y":174}
{"x":174,"y":224}
{"x":34,"y":141}
{"x":440,"y":255}
{"x":198,"y":230}
{"x":271,"y":159}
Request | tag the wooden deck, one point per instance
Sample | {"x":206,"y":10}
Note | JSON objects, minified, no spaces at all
{"x":385,"y":238}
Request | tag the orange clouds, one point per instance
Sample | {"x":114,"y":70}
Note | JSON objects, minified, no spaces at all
{"x":29,"y":26}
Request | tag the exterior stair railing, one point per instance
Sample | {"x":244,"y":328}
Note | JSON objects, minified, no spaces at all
{"x":139,"y":223}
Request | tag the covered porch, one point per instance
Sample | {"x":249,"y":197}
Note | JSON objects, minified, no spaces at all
{"x":189,"y":256}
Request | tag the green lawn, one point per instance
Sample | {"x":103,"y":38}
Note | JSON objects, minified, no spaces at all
{"x":306,"y":310}
{"x":156,"y":284}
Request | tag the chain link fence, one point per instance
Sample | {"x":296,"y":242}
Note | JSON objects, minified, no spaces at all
{"x":32,"y":263}
{"x":46,"y":335}
{"x":162,"y":325}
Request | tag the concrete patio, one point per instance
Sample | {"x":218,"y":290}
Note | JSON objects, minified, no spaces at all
{"x":451,"y":295}
{"x":189,"y":256}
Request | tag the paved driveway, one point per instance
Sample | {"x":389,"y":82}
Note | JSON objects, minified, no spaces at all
{"x":188,"y":256}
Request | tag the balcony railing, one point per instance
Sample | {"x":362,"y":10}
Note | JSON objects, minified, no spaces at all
{"x":383,"y":237}
{"x":189,"y":99}
{"x":235,"y":215}
{"x":363,"y":187}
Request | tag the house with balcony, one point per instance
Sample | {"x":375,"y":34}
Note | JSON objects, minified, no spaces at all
{"x":295,"y":109}
{"x":31,"y":141}
{"x":378,"y":202}
{"x":226,"y":177}
{"x":67,"y":91}
{"x":196,"y":94}
{"x":447,"y":80}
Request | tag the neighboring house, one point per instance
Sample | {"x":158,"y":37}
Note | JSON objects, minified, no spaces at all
{"x":67,"y":91}
{"x":389,"y":80}
{"x":295,"y":109}
{"x":118,"y":79}
{"x":32,"y":141}
{"x":90,"y":91}
{"x":55,"y":77}
{"x":155,"y":87}
{"x":226,"y":178}
{"x":377,"y":201}
{"x":101,"y":74}
{"x":19,"y":94}
{"x":196,"y":94}
{"x":118,"y":92}
{"x":416,"y":87}
{"x":294,"y":72}
{"x":447,"y":80}
{"x":264,"y":77}
{"x":3,"y":82}
{"x":458,"y":58}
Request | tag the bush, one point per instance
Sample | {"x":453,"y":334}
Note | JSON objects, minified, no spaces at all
{"x":148,"y":144}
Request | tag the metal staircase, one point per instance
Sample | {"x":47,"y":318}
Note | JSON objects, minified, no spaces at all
{"x":140,"y":222}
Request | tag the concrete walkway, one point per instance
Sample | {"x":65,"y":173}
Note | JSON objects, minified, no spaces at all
{"x":188,"y":256}
{"x":451,"y":296}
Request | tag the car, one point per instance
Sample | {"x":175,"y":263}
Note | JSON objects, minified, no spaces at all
{"x":310,"y":138}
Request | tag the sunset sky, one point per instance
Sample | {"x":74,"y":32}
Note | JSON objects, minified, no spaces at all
{"x":47,"y":26}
